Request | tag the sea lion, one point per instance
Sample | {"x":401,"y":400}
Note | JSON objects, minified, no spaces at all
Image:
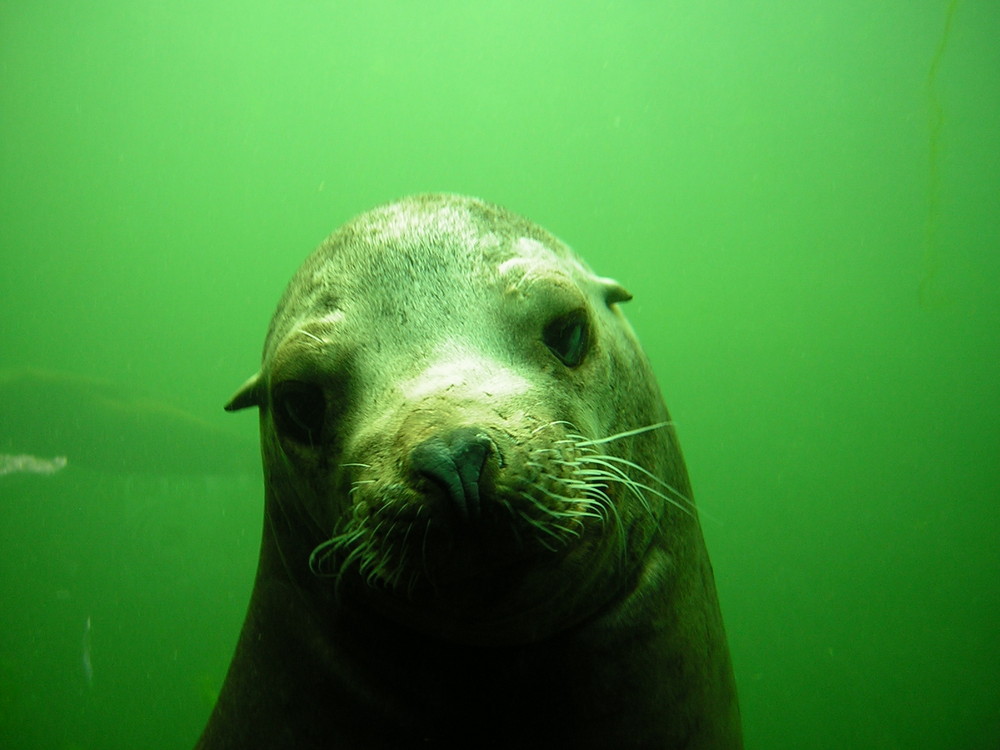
{"x":478,"y":530}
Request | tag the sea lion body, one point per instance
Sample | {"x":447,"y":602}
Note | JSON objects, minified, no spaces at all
{"x":477,"y":528}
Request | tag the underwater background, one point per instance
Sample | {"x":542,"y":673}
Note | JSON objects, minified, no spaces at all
{"x":803,"y":197}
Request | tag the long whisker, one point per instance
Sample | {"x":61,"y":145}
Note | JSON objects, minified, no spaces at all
{"x":552,"y":424}
{"x":618,"y":436}
{"x":313,"y":336}
{"x":604,"y":459}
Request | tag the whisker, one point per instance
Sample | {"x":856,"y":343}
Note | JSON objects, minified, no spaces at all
{"x":313,"y":336}
{"x":545,"y":528}
{"x":356,"y":485}
{"x":638,"y":487}
{"x":631,"y":464}
{"x":552,"y":424}
{"x":620,"y":435}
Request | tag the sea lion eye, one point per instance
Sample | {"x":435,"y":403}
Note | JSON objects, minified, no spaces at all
{"x":299,"y":410}
{"x":567,"y":337}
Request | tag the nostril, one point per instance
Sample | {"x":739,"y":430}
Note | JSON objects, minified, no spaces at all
{"x":454,"y":461}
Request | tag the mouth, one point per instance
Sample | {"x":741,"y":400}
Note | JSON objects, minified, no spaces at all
{"x":417,"y":553}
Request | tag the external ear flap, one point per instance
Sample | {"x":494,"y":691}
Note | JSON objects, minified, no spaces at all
{"x":248,"y":395}
{"x":613,"y":291}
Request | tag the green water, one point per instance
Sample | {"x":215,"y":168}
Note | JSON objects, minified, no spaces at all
{"x":803,"y":197}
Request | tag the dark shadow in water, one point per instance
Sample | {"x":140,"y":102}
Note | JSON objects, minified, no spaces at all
{"x":98,"y":425}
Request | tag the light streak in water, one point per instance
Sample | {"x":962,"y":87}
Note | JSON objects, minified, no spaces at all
{"x":28,"y":464}
{"x":88,"y":667}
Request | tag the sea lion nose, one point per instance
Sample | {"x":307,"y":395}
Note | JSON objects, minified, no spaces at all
{"x":454,"y":461}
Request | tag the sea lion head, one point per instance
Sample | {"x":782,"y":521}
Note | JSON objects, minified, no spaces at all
{"x":459,"y":428}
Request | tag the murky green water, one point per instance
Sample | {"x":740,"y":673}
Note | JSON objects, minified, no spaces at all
{"x":803,"y":197}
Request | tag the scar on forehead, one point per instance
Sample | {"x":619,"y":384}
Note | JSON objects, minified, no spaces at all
{"x":533,"y":261}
